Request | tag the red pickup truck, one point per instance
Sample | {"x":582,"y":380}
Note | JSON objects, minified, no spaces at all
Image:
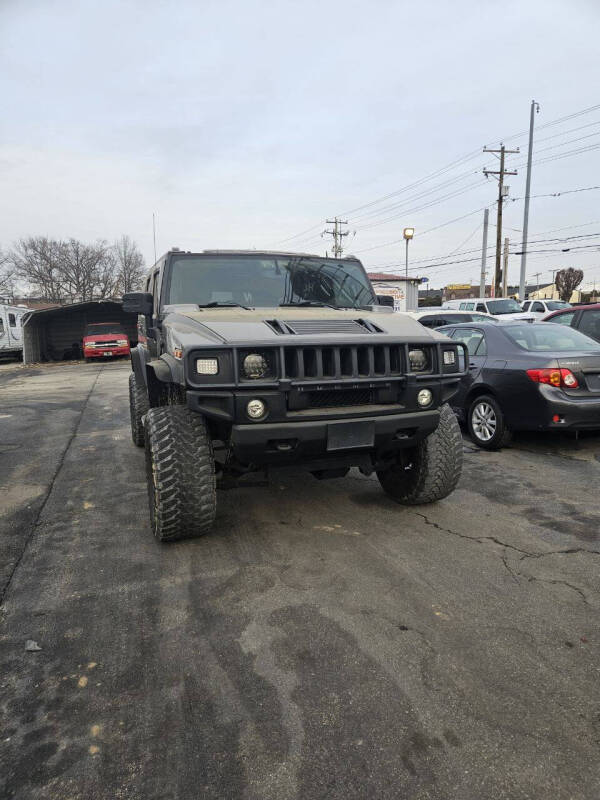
{"x":105,"y":339}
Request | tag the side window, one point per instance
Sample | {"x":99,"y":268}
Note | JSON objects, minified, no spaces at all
{"x":563,"y":319}
{"x":481,"y":307}
{"x":12,"y":320}
{"x":590,"y":323}
{"x":526,"y":305}
{"x":474,"y":340}
{"x":430,"y":321}
{"x":537,"y":307}
{"x":1,"y":327}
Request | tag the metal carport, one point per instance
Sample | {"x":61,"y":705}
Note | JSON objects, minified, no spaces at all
{"x":54,"y":334}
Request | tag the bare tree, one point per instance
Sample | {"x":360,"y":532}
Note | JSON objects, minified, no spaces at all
{"x":7,"y":276}
{"x":88,"y":270}
{"x":130,"y":265}
{"x":36,"y":260}
{"x":106,"y":275}
{"x":567,"y":280}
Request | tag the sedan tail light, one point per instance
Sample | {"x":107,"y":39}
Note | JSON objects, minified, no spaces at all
{"x":562,"y":377}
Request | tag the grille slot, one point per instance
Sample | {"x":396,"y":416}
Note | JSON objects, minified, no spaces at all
{"x":346,"y":361}
{"x":340,"y":397}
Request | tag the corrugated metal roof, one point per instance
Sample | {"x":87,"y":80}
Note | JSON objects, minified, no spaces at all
{"x":70,"y":308}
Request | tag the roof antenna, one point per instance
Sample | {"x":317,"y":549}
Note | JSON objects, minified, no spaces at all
{"x":154,"y":233}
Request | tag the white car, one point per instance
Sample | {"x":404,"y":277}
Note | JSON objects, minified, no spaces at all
{"x":435,"y":317}
{"x":539,"y":308}
{"x":504,"y":307}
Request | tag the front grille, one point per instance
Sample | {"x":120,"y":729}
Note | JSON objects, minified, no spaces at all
{"x":340,"y":397}
{"x":349,"y":361}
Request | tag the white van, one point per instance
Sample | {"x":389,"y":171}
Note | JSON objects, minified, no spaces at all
{"x":11,"y":330}
{"x":504,"y":307}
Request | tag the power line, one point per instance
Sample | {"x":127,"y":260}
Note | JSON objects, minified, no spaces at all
{"x":459,"y":162}
{"x":429,"y":230}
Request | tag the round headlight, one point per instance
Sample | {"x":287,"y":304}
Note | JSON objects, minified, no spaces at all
{"x":418,"y":360}
{"x":424,"y":397}
{"x":255,"y":366}
{"x":256,"y":409}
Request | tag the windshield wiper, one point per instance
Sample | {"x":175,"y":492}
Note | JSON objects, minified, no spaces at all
{"x":313,"y":303}
{"x":219,"y":304}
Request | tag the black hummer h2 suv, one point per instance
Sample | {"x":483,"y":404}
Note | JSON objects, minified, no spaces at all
{"x":252,"y":360}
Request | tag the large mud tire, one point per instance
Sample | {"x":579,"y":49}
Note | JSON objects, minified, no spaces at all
{"x":180,"y":471}
{"x":138,"y":407}
{"x":429,"y":471}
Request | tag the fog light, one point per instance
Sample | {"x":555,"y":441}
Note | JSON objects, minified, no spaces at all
{"x":424,"y":397}
{"x":256,"y":409}
{"x":207,"y":366}
{"x":449,"y":358}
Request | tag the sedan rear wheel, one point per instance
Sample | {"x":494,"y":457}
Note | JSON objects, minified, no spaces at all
{"x":486,"y":423}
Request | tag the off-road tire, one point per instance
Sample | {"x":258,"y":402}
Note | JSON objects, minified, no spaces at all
{"x":180,"y":471}
{"x":138,"y":406}
{"x":501,"y":434}
{"x":429,"y":471}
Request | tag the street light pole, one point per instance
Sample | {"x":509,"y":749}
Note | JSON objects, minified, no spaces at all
{"x":408,"y":234}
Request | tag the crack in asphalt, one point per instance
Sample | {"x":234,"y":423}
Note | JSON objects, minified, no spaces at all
{"x":478,"y":539}
{"x":580,"y":592}
{"x":569,"y":551}
{"x":61,"y":460}
{"x":515,"y":574}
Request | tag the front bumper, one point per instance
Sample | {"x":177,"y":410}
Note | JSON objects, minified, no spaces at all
{"x":97,"y":352}
{"x":292,"y":442}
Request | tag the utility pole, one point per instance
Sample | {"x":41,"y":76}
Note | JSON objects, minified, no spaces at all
{"x":500,"y":173}
{"x":338,"y":234}
{"x":537,"y":275}
{"x":534,"y":107}
{"x":486,"y":214}
{"x":505,"y":269}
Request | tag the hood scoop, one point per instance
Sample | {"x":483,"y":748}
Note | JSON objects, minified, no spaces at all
{"x":318,"y":327}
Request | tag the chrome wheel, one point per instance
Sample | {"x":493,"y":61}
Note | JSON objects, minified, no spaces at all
{"x":484,"y":421}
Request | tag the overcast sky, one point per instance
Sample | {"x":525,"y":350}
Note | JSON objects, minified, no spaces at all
{"x":243,"y":123}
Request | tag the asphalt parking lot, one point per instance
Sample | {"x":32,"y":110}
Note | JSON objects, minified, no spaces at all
{"x":321,"y":642}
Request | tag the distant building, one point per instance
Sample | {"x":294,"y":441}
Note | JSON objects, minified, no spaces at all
{"x":463,"y":291}
{"x":405,"y":291}
{"x":551,"y":293}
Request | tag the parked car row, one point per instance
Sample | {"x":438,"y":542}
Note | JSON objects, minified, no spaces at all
{"x":583,"y":318}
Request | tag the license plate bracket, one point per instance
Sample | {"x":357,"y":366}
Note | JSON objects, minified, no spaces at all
{"x":350,"y":435}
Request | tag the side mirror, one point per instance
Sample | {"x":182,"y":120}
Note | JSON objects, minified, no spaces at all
{"x":138,"y":303}
{"x":385,"y":300}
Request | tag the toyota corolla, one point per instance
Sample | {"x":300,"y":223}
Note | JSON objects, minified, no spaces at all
{"x":525,"y":376}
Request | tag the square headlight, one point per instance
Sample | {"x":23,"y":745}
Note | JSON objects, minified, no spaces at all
{"x":207,"y":366}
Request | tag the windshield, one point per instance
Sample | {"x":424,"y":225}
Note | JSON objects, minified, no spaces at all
{"x":109,"y":327}
{"x":539,"y":337}
{"x":268,"y":281}
{"x":554,"y":305}
{"x":504,"y":306}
